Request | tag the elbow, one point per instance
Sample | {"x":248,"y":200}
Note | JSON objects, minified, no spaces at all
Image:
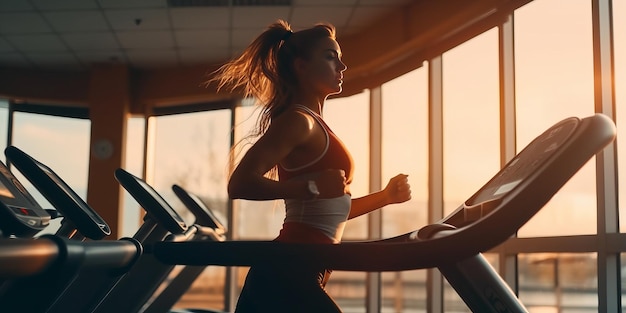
{"x":233,"y":189}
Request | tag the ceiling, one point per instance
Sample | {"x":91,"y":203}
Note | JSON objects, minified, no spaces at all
{"x":150,"y":34}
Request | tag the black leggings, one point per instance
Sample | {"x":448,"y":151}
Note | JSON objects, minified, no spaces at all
{"x":272,"y":289}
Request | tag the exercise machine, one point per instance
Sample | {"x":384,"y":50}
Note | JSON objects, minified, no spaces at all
{"x":163,"y":300}
{"x":20,"y":214}
{"x":91,"y":287}
{"x":80,"y":221}
{"x":455,"y":244}
{"x":137,"y":287}
{"x":37,"y":270}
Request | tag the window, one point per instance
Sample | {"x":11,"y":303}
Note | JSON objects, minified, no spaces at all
{"x":471,"y":142}
{"x":619,"y":41}
{"x":471,"y":117}
{"x":254,"y":219}
{"x":554,"y":80}
{"x":134,"y":163}
{"x":550,"y":282}
{"x":405,"y":150}
{"x":48,"y":139}
{"x":4,"y":120}
{"x":349,"y":119}
{"x":192,"y":150}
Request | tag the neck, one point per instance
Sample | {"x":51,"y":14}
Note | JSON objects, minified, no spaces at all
{"x":313,"y":102}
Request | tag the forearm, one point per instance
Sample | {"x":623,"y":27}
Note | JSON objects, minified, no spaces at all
{"x":369,"y":203}
{"x":258,"y":187}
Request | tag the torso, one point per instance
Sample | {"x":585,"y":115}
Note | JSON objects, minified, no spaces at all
{"x":332,"y":154}
{"x":322,"y":218}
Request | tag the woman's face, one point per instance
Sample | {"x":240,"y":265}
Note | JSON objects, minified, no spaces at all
{"x":323,"y":70}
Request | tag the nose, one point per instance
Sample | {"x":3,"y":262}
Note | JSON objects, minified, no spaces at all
{"x":342,"y":66}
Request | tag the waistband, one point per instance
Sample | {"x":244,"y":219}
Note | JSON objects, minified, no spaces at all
{"x":295,"y":232}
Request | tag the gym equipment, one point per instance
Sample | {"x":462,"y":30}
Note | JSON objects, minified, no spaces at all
{"x":79,"y":219}
{"x":454,"y":244}
{"x":164,"y":300}
{"x":20,"y":214}
{"x":139,"y":284}
{"x":47,"y":265}
{"x":86,"y":289}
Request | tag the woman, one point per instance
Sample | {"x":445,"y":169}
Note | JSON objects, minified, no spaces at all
{"x":297,"y":158}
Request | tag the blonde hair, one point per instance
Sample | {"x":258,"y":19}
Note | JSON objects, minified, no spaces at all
{"x":264,"y":70}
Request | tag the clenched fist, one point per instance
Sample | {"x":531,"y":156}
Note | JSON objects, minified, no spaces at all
{"x":398,"y":189}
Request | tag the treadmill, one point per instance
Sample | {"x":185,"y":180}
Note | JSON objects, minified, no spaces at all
{"x":89,"y":287}
{"x":455,"y":244}
{"x":20,"y":214}
{"x":36,"y":270}
{"x":137,"y":287}
{"x":164,"y":299}
{"x":80,"y":221}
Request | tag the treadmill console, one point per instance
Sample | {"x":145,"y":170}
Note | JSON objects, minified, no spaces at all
{"x":151,"y":201}
{"x":61,"y":196}
{"x":525,"y":163}
{"x":204,"y":215}
{"x":20,"y":214}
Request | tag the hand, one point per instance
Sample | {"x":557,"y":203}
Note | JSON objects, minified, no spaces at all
{"x":331,"y":183}
{"x":398,"y":189}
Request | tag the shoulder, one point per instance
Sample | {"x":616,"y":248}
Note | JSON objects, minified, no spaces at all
{"x":295,"y":121}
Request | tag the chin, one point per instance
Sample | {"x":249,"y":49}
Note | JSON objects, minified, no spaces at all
{"x":335,"y":92}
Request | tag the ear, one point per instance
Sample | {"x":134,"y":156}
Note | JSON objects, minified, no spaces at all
{"x":299,"y":66}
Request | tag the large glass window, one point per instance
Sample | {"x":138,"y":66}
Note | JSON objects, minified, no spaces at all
{"x":4,"y":120}
{"x":133,"y":163}
{"x":554,"y":80}
{"x":192,"y":150}
{"x":405,"y":150}
{"x":349,"y":118}
{"x":471,"y":117}
{"x":559,"y":282}
{"x":619,"y":40}
{"x":48,"y":139}
{"x":254,"y":219}
{"x":470,"y":124}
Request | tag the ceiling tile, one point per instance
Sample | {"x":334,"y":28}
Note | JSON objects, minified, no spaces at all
{"x":136,"y":19}
{"x":98,"y":30}
{"x":37,"y":42}
{"x":116,"y":4}
{"x":14,"y":5}
{"x":61,"y":61}
{"x":153,"y":58}
{"x":101,"y":56}
{"x":146,"y":39}
{"x":258,"y":16}
{"x":324,"y":2}
{"x":91,"y":41}
{"x":13,"y":60}
{"x":77,"y":20}
{"x":304,"y":18}
{"x":46,"y":5}
{"x":5,"y":46}
{"x":194,"y":18}
{"x":23,"y":23}
{"x":202,"y":38}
